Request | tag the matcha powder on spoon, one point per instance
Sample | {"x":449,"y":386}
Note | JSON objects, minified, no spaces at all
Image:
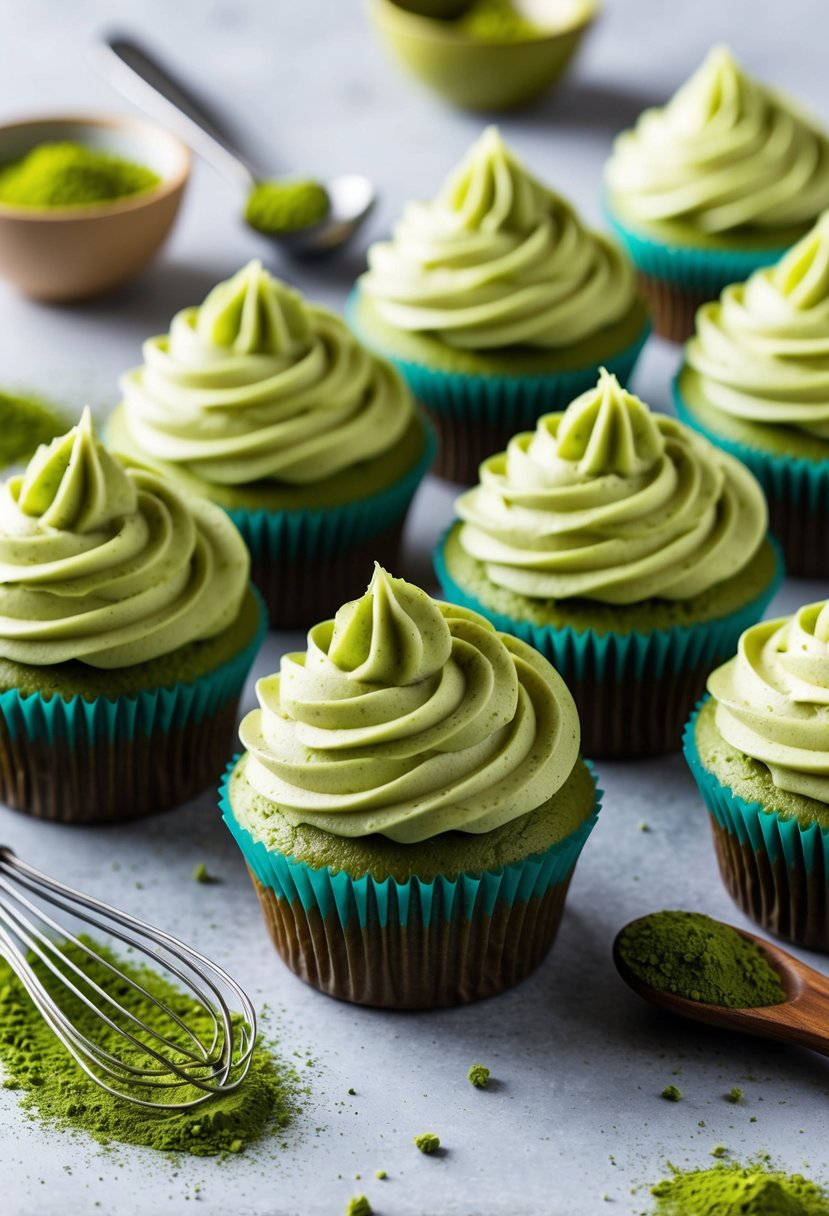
{"x":55,"y":1089}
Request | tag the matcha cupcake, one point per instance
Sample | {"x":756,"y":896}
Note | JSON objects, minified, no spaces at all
{"x":720,"y":181}
{"x":411,"y":804}
{"x":496,"y":304}
{"x":755,"y":380}
{"x":267,"y":405}
{"x":626,"y":548}
{"x":759,"y":750}
{"x":127,"y":630}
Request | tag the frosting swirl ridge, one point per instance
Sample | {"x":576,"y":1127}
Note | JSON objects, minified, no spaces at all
{"x":108,"y":565}
{"x":611,"y":502}
{"x":255,"y":383}
{"x":761,"y":352}
{"x":497,"y":260}
{"x":725,"y":153}
{"x":773,"y":699}
{"x":410,"y":717}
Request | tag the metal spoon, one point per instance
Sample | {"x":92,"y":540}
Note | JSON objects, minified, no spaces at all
{"x":803,"y":1017}
{"x":139,"y":77}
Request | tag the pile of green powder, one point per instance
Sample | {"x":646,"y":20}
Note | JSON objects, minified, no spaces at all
{"x":53,"y":1087}
{"x":274,"y":207}
{"x":71,"y":175}
{"x":700,"y":959}
{"x":24,"y":424}
{"x":735,"y":1190}
{"x":497,"y":21}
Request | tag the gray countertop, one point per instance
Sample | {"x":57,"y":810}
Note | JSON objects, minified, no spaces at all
{"x":575,"y":1126}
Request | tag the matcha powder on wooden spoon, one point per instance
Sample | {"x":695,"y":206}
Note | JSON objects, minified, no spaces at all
{"x":54,"y":1088}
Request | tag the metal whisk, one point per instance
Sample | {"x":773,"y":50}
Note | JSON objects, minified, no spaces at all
{"x":155,"y":1064}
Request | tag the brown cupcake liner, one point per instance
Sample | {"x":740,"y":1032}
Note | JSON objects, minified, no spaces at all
{"x":673,"y":307}
{"x":417,"y":965}
{"x":99,"y":780}
{"x":464,"y":443}
{"x":635,"y":718}
{"x":300,"y":590}
{"x":786,"y":897}
{"x":803,"y":532}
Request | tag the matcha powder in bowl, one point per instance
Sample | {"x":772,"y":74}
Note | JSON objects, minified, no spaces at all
{"x":54,"y":1089}
{"x":67,"y":174}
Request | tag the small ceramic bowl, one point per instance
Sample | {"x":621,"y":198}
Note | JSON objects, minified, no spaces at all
{"x":478,"y":75}
{"x":69,"y":253}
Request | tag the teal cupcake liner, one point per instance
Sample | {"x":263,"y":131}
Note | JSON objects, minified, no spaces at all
{"x":633,"y":690}
{"x":775,"y":868}
{"x":120,"y":757}
{"x":414,"y":944}
{"x":309,"y":562}
{"x":694,"y":268}
{"x":477,"y":415}
{"x":797,"y":491}
{"x":320,"y":531}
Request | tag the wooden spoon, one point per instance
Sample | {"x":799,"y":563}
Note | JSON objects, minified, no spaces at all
{"x":803,"y":1017}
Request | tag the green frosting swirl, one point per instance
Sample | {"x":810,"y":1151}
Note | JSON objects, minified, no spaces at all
{"x":108,"y":565}
{"x":497,"y":260}
{"x":258,"y":384}
{"x":761,"y":352}
{"x":725,"y":153}
{"x":410,"y":717}
{"x":610,"y":502}
{"x":773,"y":699}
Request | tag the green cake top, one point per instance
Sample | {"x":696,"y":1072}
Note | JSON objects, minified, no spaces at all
{"x":497,"y":260}
{"x":760,"y":354}
{"x":256,"y":384}
{"x":409,"y":718}
{"x":610,"y":502}
{"x":772,"y":700}
{"x":726,"y":154}
{"x":107,"y":565}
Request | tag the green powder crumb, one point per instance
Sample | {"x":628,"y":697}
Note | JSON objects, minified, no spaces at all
{"x":427,"y":1142}
{"x":274,"y":207}
{"x":753,"y":1119}
{"x":25,"y":423}
{"x":54,"y":1088}
{"x":478,"y":1076}
{"x":200,"y":873}
{"x":735,"y":1190}
{"x":69,"y":174}
{"x":719,"y":1150}
{"x":358,"y":1206}
{"x":671,"y":1093}
{"x":644,"y":827}
{"x":353,"y":1092}
{"x":734,"y":1095}
{"x":700,"y":959}
{"x":381,"y":1174}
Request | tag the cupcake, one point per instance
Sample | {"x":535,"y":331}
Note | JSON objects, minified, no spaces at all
{"x":267,"y":405}
{"x":127,"y":630}
{"x":626,"y":548}
{"x":719,"y":182}
{"x":756,"y":381}
{"x":411,"y":804}
{"x":496,"y":304}
{"x":759,"y":751}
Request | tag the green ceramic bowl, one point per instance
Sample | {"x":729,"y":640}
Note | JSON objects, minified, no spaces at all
{"x":477,"y":75}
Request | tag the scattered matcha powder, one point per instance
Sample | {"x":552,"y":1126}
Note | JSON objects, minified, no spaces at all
{"x":734,"y":1190}
{"x":381,"y":1174}
{"x":734,"y":1095}
{"x":200,"y":873}
{"x":478,"y":1076}
{"x":700,"y":959}
{"x":25,"y":423}
{"x":671,"y":1093}
{"x":427,"y":1142}
{"x":358,"y":1206}
{"x":274,"y":207}
{"x":69,"y":174}
{"x":719,"y":1150}
{"x":54,"y":1087}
